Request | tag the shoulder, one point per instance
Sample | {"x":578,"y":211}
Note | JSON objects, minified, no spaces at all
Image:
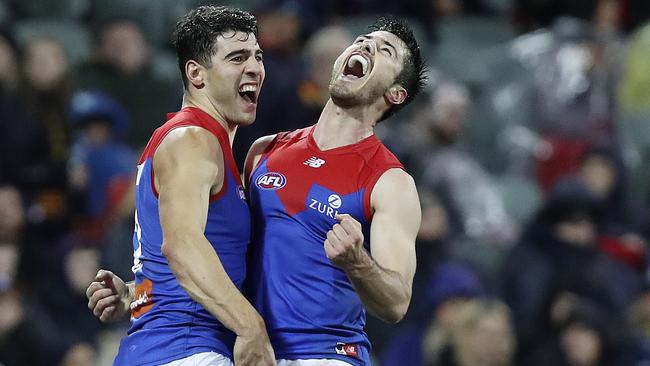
{"x":383,"y":156}
{"x":266,"y":143}
{"x":395,"y":187}
{"x":260,"y":147}
{"x":187,"y":147}
{"x":378,"y":159}
{"x":262,"y":144}
{"x":193,"y":138}
{"x":396,"y":179}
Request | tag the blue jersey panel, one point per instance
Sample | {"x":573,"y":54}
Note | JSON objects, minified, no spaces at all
{"x":309,"y":305}
{"x":167,"y":324}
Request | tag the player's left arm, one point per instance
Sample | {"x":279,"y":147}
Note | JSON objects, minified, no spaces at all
{"x":384,"y":279}
{"x":254,"y":155}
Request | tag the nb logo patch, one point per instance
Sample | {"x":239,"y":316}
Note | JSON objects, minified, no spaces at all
{"x":314,"y":162}
{"x":348,"y":349}
{"x":271,"y":181}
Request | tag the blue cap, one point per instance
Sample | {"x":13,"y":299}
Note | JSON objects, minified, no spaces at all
{"x":452,"y":280}
{"x":88,"y":105}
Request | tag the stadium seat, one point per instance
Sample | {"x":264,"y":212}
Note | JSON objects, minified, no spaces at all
{"x":60,"y":9}
{"x":464,"y":45}
{"x":75,"y":38}
{"x":5,"y":13}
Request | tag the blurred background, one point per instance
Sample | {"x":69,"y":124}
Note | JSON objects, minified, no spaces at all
{"x":530,"y":147}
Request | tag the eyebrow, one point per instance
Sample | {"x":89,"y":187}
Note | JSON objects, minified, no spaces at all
{"x":243,"y":52}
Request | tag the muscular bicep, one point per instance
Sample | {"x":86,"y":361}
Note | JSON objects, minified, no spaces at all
{"x":395,"y":223}
{"x":187,"y":167}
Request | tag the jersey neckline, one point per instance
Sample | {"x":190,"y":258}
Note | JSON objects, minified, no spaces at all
{"x":345,"y":149}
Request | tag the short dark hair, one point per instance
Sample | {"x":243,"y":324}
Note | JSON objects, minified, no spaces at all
{"x":413,"y":74}
{"x":196,"y":32}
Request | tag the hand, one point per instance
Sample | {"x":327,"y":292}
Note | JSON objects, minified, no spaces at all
{"x":109,"y":297}
{"x":254,"y":350}
{"x":344,"y":243}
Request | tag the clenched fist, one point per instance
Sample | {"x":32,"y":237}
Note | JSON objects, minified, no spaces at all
{"x":344,"y":244}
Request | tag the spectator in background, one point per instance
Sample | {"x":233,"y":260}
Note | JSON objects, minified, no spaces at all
{"x":320,"y":52}
{"x":29,"y":334}
{"x":47,"y":89}
{"x":21,"y":141}
{"x":560,"y":248}
{"x":432,"y":242}
{"x":484,"y":336}
{"x":530,"y":15}
{"x":101,"y":166}
{"x":634,"y":92}
{"x":467,"y":191}
{"x":576,"y":66}
{"x":638,"y":317}
{"x":9,"y":71}
{"x":582,"y":339}
{"x":122,"y":67}
{"x":425,"y":341}
{"x":621,"y":221}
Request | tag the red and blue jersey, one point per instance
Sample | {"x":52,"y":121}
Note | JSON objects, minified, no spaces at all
{"x":309,"y":305}
{"x":166,"y":323}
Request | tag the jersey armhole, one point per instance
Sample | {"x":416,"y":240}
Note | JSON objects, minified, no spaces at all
{"x":279,"y":136}
{"x":158,"y":141}
{"x":368,"y":212}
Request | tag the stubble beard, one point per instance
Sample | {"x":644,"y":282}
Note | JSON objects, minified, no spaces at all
{"x":344,"y":97}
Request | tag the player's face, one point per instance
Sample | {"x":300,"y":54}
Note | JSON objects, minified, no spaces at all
{"x":366,"y":69}
{"x":235,"y":78}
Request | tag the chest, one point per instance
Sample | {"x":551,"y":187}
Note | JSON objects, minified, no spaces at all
{"x":308,"y":187}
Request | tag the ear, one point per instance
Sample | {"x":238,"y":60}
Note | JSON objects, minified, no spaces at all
{"x":194,"y":73}
{"x":396,"y":94}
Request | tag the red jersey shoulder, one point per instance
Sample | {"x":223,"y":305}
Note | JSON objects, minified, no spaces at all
{"x":186,"y":117}
{"x":379,"y":159}
{"x":295,"y":135}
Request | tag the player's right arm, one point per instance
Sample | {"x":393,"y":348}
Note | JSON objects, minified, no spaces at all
{"x":189,"y":168}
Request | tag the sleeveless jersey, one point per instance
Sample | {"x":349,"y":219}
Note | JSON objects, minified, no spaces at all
{"x":166,"y":323}
{"x":309,"y":305}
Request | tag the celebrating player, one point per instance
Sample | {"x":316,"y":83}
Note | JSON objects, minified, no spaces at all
{"x":192,"y":223}
{"x":335,"y":214}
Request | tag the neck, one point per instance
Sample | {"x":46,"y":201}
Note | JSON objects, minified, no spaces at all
{"x":210,"y":108}
{"x":340,"y":126}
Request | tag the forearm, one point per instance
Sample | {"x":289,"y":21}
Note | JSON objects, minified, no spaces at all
{"x":200,"y":273}
{"x":383,"y":292}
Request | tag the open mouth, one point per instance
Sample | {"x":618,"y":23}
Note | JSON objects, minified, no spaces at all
{"x":248,"y":92}
{"x":357,"y":66}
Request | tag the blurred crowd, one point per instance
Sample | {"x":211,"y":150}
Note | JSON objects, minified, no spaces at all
{"x":530,"y":147}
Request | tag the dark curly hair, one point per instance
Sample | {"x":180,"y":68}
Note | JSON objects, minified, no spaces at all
{"x":196,"y":32}
{"x":413,"y":76}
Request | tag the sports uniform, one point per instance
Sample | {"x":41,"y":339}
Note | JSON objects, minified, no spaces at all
{"x":309,"y":305}
{"x":166,"y":323}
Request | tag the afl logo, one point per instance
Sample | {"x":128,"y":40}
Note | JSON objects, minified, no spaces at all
{"x":271,"y":181}
{"x":334,"y":201}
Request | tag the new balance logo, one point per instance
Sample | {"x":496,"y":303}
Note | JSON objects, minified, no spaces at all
{"x":314,"y":162}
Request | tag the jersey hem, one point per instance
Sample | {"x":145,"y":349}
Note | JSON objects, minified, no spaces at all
{"x":177,"y":357}
{"x":319,"y":356}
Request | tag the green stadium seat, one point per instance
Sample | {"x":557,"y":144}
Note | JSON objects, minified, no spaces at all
{"x":76,"y":39}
